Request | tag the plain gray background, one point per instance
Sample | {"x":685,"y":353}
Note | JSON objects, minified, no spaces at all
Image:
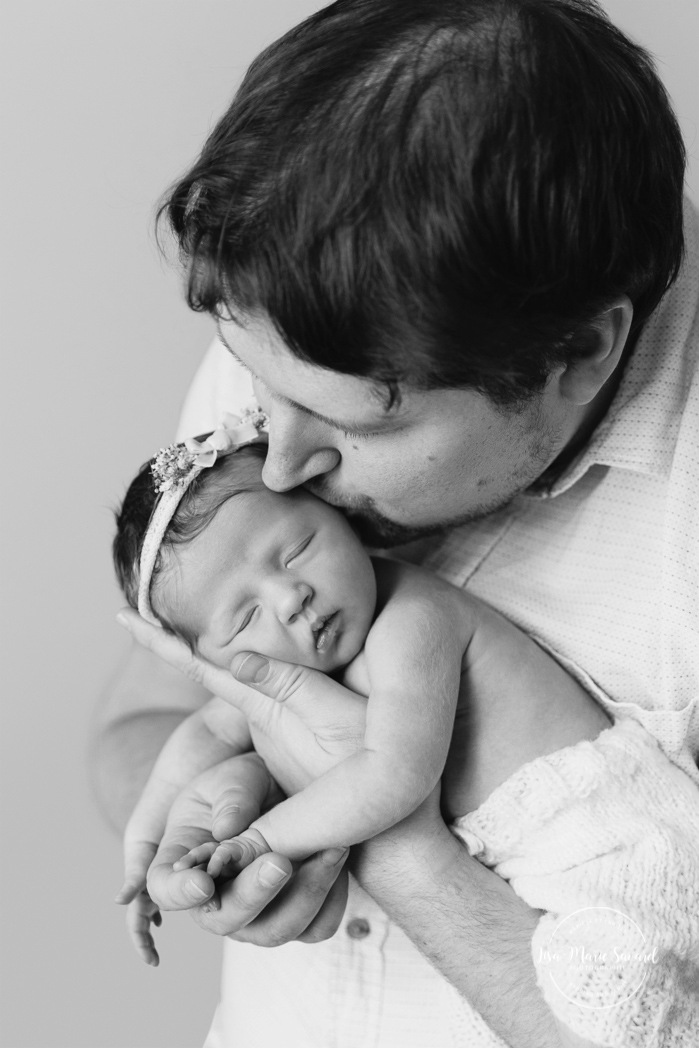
{"x":104,"y":103}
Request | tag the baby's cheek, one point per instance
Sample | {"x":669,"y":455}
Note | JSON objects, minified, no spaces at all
{"x":274,"y":643}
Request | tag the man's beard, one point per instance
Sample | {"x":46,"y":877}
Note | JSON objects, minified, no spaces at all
{"x":380,"y":532}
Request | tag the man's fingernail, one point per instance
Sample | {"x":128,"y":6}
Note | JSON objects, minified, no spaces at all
{"x":252,"y":670}
{"x":122,"y":620}
{"x":272,"y":875}
{"x":333,"y":856}
{"x":195,"y":891}
{"x":212,"y":906}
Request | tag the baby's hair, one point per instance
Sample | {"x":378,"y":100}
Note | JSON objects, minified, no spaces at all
{"x":231,"y":475}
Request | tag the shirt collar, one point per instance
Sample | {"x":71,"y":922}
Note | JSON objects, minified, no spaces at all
{"x":639,"y":431}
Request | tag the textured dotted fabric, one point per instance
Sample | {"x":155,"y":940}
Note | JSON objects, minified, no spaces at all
{"x":603,"y":569}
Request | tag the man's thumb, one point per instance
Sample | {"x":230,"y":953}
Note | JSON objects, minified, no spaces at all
{"x":281,"y":681}
{"x":317,"y":699}
{"x":250,"y":668}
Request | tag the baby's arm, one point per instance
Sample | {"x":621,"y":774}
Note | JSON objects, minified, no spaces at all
{"x":412,"y":658}
{"x":430,"y":643}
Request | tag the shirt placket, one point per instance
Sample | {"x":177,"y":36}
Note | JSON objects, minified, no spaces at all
{"x":357,"y":980}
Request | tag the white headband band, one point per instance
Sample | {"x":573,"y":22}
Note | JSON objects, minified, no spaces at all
{"x":174,"y":468}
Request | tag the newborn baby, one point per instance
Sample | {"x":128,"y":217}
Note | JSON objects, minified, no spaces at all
{"x":208,"y":552}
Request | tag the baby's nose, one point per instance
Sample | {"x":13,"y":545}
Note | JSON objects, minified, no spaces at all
{"x":294,"y":601}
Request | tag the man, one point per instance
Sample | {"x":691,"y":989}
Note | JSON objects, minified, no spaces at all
{"x":441,"y":237}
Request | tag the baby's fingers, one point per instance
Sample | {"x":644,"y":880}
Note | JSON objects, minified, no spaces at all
{"x":178,"y":889}
{"x":195,"y":857}
{"x":233,"y":856}
{"x":143,"y":912}
{"x":228,"y":853}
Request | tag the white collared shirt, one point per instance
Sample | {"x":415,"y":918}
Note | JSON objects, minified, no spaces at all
{"x":604,"y":570}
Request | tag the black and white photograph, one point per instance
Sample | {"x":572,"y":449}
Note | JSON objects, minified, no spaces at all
{"x":351,"y":532}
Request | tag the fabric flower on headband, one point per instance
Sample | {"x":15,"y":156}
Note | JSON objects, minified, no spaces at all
{"x":172,"y":466}
{"x":173,"y":469}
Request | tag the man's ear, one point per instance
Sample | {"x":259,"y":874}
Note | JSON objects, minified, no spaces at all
{"x":581,"y":381}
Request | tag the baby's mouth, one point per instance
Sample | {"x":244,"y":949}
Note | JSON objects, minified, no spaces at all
{"x":325,"y":631}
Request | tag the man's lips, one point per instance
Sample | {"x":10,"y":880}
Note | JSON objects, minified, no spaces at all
{"x":325,"y":630}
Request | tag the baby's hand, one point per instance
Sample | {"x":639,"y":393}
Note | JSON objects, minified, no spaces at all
{"x":227,"y":858}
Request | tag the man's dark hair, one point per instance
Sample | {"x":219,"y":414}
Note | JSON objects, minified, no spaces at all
{"x":439,"y":193}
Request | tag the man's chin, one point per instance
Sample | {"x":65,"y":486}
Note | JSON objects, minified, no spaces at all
{"x":379,"y":532}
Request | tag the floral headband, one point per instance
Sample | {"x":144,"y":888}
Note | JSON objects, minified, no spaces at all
{"x":173,"y":469}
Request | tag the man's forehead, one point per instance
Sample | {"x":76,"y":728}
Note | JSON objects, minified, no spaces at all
{"x":337,"y":399}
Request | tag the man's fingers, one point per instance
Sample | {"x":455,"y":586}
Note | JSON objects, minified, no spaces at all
{"x":179,"y":889}
{"x":251,"y":913}
{"x":138,"y":856}
{"x":329,"y":916}
{"x":240,"y":782}
{"x":139,"y":916}
{"x":239,"y":805}
{"x":243,"y":899}
{"x":159,"y":641}
{"x":175,"y":652}
{"x":314,"y":697}
{"x":333,"y":714}
{"x":128,"y":892}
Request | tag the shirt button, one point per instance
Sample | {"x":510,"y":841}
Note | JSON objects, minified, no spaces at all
{"x":358,"y":928}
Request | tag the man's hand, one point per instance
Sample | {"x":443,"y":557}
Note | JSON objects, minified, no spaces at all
{"x":203,"y":740}
{"x":253,"y":907}
{"x":229,"y":797}
{"x":301,"y":721}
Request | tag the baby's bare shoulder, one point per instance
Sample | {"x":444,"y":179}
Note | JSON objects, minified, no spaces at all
{"x":410,"y":596}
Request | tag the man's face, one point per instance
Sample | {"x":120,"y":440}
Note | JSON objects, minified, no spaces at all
{"x":439,"y":459}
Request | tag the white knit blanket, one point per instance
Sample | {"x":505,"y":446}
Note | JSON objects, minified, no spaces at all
{"x":604,"y":837}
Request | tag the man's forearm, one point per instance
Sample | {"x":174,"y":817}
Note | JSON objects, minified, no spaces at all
{"x":122,"y":756}
{"x":468,"y":922}
{"x":139,"y":709}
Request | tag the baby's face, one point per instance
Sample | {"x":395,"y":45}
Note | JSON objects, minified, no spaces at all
{"x":283,"y":575}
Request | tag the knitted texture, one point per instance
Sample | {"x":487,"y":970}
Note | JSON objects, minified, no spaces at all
{"x":604,"y":835}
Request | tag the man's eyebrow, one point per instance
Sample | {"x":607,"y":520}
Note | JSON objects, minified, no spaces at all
{"x":349,"y":426}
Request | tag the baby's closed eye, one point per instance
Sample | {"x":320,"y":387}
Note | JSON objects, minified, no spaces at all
{"x":247,"y":619}
{"x":298,"y":550}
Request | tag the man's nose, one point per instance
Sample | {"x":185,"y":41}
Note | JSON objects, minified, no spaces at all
{"x":297,"y":449}
{"x":291,"y":598}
